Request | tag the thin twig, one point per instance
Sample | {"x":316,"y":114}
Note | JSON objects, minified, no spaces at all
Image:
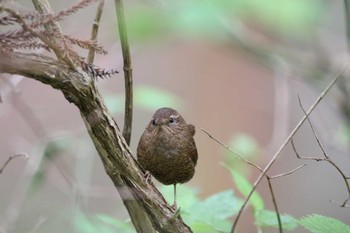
{"x":326,"y":157}
{"x":285,"y":143}
{"x":94,"y":30}
{"x":342,"y":204}
{"x":301,"y":157}
{"x":288,"y":173}
{"x":240,"y":157}
{"x":10,"y":158}
{"x":275,"y":205}
{"x":313,"y":130}
{"x":127,"y":71}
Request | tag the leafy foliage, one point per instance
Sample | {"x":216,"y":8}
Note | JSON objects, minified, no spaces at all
{"x":209,"y":215}
{"x":263,"y":217}
{"x":267,"y":218}
{"x":321,"y":224}
{"x":244,"y":187}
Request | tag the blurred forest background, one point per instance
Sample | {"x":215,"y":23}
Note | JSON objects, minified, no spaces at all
{"x":233,"y":68}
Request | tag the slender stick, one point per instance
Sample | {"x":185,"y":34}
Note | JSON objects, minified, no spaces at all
{"x":10,"y":158}
{"x":326,"y":157}
{"x":94,"y":30}
{"x":275,"y":205}
{"x":127,"y":70}
{"x":278,"y":152}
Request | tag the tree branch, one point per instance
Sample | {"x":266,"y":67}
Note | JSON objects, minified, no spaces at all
{"x":119,"y":164}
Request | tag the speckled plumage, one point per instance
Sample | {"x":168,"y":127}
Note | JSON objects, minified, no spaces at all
{"x":167,"y":149}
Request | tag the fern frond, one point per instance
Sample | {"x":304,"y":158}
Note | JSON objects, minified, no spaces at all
{"x":86,"y":44}
{"x":67,"y":12}
{"x":17,"y":34}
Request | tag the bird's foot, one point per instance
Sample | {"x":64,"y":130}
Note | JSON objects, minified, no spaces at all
{"x":177,"y":212}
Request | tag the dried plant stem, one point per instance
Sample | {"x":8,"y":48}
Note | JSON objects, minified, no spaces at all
{"x":94,"y":30}
{"x":326,"y":157}
{"x":240,"y":157}
{"x":127,"y":70}
{"x":11,"y":158}
{"x":275,"y":205}
{"x":285,"y":143}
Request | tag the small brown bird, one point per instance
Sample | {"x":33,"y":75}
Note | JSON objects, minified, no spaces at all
{"x":167,"y":149}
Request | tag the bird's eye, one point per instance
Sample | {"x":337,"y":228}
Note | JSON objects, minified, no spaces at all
{"x":171,"y":120}
{"x":153,"y":122}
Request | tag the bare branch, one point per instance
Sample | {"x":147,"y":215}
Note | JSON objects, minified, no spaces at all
{"x":280,"y":228}
{"x":240,"y":157}
{"x":305,"y":158}
{"x":326,"y":157}
{"x":288,"y":139}
{"x":10,"y":158}
{"x":313,"y":130}
{"x":288,"y":173}
{"x":94,"y":30}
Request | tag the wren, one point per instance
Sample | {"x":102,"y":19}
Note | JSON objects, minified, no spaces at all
{"x":167,"y":149}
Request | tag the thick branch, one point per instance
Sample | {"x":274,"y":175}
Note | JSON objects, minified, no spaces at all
{"x":114,"y":152}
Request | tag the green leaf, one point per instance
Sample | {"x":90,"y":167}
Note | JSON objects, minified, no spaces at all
{"x":245,"y":187}
{"x":151,"y":98}
{"x":221,"y":205}
{"x":268,"y":218}
{"x":214,"y":211}
{"x":321,"y":224}
{"x":205,"y":216}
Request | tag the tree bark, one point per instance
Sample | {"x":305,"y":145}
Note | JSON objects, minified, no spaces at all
{"x":143,"y":201}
